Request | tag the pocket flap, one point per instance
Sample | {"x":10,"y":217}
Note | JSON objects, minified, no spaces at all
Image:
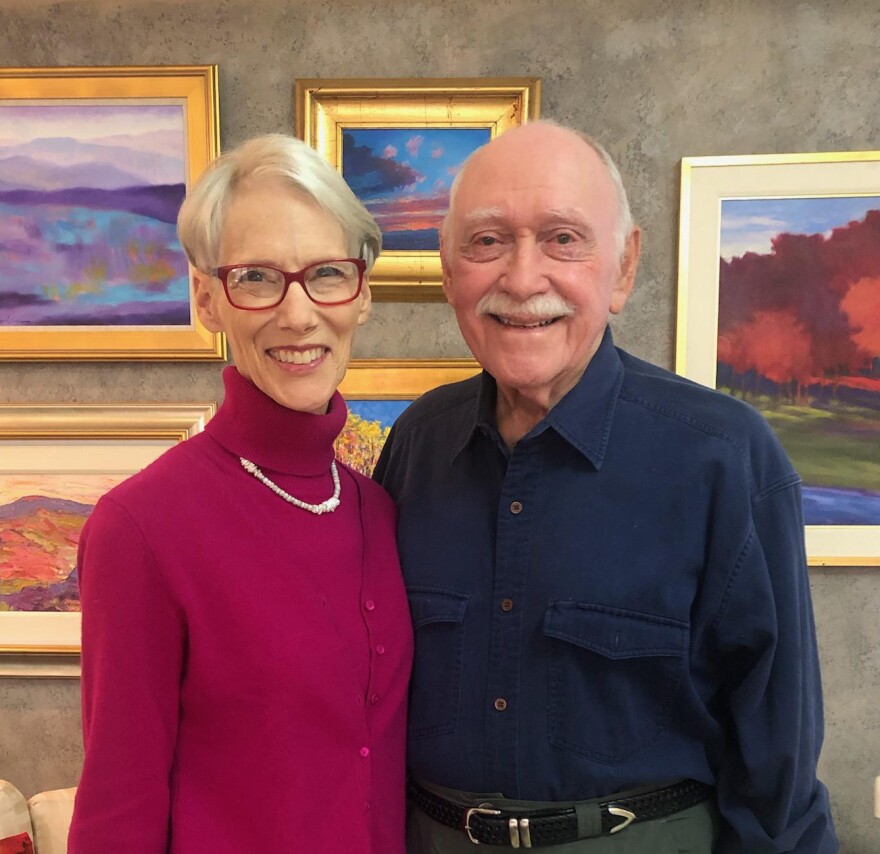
{"x":614,"y":633}
{"x":429,"y":605}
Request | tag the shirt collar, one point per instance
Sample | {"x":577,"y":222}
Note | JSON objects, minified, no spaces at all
{"x":583,"y":417}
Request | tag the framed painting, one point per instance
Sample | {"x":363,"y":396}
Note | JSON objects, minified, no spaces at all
{"x":55,"y":462}
{"x":377,"y":391}
{"x":779,"y":304}
{"x":94,"y":163}
{"x":399,"y":144}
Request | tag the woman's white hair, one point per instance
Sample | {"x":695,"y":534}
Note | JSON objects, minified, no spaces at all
{"x":203,"y":213}
{"x":624,"y":224}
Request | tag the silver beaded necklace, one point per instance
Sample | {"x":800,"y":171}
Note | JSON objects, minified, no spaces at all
{"x":327,"y":506}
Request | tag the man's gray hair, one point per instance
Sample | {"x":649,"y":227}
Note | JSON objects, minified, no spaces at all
{"x":624,"y":224}
{"x":203,"y":213}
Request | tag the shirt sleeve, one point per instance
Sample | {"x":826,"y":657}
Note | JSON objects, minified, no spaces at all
{"x":768,"y":793}
{"x":132,"y":661}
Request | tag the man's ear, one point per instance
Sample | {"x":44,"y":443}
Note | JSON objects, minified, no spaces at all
{"x":444,"y":266}
{"x":366,"y":300}
{"x":205,"y":297}
{"x":626,"y":278}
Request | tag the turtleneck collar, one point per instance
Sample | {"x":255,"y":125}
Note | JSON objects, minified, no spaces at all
{"x":251,"y":424}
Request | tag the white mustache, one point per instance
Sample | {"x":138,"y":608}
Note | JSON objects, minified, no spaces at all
{"x":536,"y":307}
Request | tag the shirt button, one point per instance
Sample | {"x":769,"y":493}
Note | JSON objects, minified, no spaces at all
{"x":380,"y":649}
{"x":367,"y":806}
{"x":370,"y":605}
{"x":516,"y":507}
{"x":500,"y":704}
{"x":365,"y":752}
{"x":507,"y":604}
{"x":374,"y":699}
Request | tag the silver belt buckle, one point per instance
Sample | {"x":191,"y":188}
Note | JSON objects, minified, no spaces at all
{"x":482,"y":809}
{"x":629,"y":817}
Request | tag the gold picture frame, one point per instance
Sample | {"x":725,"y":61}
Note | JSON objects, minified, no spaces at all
{"x":55,"y":461}
{"x":767,"y":250}
{"x":98,"y":272}
{"x":443,"y":120}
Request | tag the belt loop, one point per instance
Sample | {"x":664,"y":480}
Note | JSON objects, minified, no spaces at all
{"x":589,"y":818}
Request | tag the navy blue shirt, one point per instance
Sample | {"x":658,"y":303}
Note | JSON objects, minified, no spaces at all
{"x":619,"y":600}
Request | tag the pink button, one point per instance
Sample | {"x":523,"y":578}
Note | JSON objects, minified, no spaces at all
{"x":374,"y":699}
{"x":380,"y":649}
{"x":369,"y":604}
{"x":367,"y":806}
{"x":365,"y":752}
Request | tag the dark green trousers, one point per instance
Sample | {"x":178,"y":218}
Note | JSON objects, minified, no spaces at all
{"x":691,"y":831}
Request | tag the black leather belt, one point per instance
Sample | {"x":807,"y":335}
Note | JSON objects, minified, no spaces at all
{"x":486,"y":824}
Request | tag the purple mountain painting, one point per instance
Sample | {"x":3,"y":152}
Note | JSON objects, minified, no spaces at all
{"x":89,"y":195}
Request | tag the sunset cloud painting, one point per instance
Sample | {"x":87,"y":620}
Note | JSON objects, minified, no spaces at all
{"x":799,"y":337}
{"x":403,"y":175}
{"x":89,"y":195}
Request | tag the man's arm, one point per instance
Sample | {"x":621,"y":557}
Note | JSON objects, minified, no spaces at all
{"x":767,"y":787}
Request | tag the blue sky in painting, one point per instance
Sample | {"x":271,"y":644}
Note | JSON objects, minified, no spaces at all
{"x":386,"y":412}
{"x":403,"y":176}
{"x":434,"y":155}
{"x":748,"y":225}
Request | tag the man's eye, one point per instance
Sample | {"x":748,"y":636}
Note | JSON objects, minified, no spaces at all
{"x":564,"y":238}
{"x":486,"y":240}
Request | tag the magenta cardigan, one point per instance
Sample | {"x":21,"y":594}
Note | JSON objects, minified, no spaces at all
{"x":245,"y":662}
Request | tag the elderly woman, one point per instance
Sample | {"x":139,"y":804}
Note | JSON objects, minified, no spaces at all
{"x":246,"y":637}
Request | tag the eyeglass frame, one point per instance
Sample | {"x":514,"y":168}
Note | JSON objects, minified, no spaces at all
{"x":289,"y":277}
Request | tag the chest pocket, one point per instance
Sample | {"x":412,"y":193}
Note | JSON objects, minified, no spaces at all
{"x":435,"y":688}
{"x":613,"y":678}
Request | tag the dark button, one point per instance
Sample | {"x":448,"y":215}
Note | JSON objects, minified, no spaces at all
{"x":500,"y":704}
{"x":516,"y":507}
{"x":507,"y":604}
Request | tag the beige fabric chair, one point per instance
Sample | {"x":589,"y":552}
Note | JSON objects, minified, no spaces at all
{"x":877,"y":797}
{"x":45,"y":817}
{"x":14,"y":815}
{"x":51,"y":813}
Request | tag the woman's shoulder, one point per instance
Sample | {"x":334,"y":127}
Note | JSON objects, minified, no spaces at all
{"x":371,"y":491}
{"x":174,"y":475}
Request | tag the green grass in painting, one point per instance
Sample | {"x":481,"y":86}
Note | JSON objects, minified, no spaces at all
{"x":837,"y":446}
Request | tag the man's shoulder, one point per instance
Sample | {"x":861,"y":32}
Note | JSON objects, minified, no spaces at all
{"x":444,"y":406}
{"x":670,"y":394}
{"x":700,"y":414}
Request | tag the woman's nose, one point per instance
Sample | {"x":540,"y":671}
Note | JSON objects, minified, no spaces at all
{"x":296,"y":310}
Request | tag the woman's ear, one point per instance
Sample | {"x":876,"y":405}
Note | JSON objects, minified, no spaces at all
{"x":366,"y":299}
{"x":205,"y":296}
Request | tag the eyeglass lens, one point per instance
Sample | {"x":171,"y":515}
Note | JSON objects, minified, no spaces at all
{"x":326,"y":282}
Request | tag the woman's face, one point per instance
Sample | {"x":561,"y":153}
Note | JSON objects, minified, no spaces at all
{"x":271,"y":223}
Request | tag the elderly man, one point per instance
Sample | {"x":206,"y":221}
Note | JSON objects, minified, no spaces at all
{"x":615,"y":648}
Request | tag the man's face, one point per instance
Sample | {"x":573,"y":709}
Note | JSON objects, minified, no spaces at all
{"x":529,"y":259}
{"x":296,"y":353}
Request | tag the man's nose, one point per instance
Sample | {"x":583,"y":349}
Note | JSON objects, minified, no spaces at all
{"x":525,"y":274}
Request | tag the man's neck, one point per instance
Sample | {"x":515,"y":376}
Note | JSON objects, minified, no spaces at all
{"x":518,"y":411}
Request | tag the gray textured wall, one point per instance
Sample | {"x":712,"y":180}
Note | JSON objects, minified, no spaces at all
{"x":653,"y":79}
